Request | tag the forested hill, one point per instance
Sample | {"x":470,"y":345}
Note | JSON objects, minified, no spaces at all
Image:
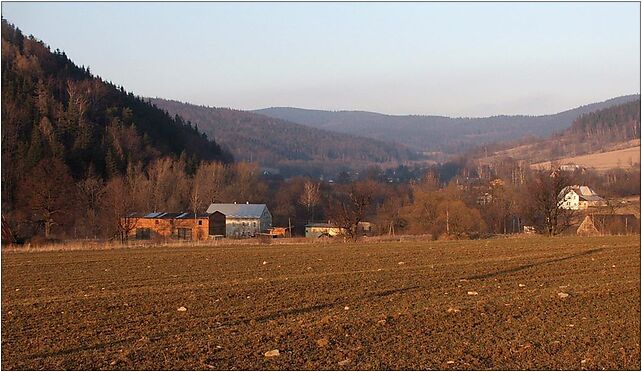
{"x":53,"y":109}
{"x":613,"y":124}
{"x":439,"y":133}
{"x":279,"y":143}
{"x":610,"y":129}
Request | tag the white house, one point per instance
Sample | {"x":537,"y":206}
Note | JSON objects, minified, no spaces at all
{"x":579,"y":197}
{"x":243,"y":220}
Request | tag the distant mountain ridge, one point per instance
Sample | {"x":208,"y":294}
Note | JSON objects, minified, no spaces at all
{"x":438,"y":133}
{"x":278,"y":143}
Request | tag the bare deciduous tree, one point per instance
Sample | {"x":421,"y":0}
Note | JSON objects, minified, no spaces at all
{"x":91,"y":193}
{"x":310,"y":197}
{"x":49,"y":194}
{"x":118,"y":193}
{"x":208,"y":184}
{"x":350,"y":207}
{"x":543,"y":202}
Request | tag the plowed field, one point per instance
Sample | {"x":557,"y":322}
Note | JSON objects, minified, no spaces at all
{"x":537,"y":303}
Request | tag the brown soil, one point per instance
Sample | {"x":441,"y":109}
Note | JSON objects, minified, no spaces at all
{"x":392,"y":305}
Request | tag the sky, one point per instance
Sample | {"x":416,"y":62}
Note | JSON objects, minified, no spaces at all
{"x":455,"y":59}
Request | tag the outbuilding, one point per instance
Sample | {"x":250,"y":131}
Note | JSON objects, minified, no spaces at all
{"x":168,"y":225}
{"x":317,"y":230}
{"x":242,"y":220}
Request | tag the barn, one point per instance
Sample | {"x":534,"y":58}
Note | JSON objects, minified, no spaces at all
{"x":174,"y":225}
{"x":242,"y":220}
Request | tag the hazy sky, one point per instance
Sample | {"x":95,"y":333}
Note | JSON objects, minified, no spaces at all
{"x":457,"y":59}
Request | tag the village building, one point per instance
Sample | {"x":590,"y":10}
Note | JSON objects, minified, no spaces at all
{"x":571,"y":168}
{"x":164,"y":225}
{"x":365,"y":228}
{"x":579,"y":197}
{"x":529,"y":229}
{"x":317,"y":230}
{"x":242,"y":220}
{"x":279,"y":232}
{"x":485,"y":198}
{"x":609,"y":224}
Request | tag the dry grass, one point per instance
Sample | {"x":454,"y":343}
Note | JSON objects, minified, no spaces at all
{"x":83,"y":245}
{"x":624,"y":158}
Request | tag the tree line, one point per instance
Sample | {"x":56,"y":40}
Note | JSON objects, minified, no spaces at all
{"x":474,"y":202}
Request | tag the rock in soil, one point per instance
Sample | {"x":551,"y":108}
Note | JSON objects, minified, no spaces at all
{"x":182,"y":308}
{"x":272,"y":353}
{"x":323,"y":342}
{"x":472,"y":293}
{"x":562,"y":295}
{"x":344,"y":362}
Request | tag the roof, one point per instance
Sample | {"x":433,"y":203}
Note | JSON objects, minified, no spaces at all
{"x":583,"y":191}
{"x":188,"y":215}
{"x":591,"y":198}
{"x":238,"y":210}
{"x":167,"y":215}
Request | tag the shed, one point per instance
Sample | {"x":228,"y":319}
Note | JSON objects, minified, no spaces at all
{"x":217,"y":224}
{"x":317,"y":230}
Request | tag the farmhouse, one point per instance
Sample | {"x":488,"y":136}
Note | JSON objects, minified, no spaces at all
{"x":609,"y":224}
{"x":181,"y":225}
{"x":242,"y":220}
{"x":579,"y":197}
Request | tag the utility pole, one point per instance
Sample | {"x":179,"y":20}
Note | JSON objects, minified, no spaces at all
{"x":447,"y":223}
{"x":289,"y":227}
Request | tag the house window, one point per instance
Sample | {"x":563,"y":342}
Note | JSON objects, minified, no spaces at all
{"x":156,"y":222}
{"x":200,"y":222}
{"x":184,"y":233}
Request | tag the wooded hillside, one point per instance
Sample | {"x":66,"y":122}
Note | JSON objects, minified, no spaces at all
{"x":613,"y":128}
{"x":612,"y":124}
{"x":61,"y":126}
{"x":279,"y":143}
